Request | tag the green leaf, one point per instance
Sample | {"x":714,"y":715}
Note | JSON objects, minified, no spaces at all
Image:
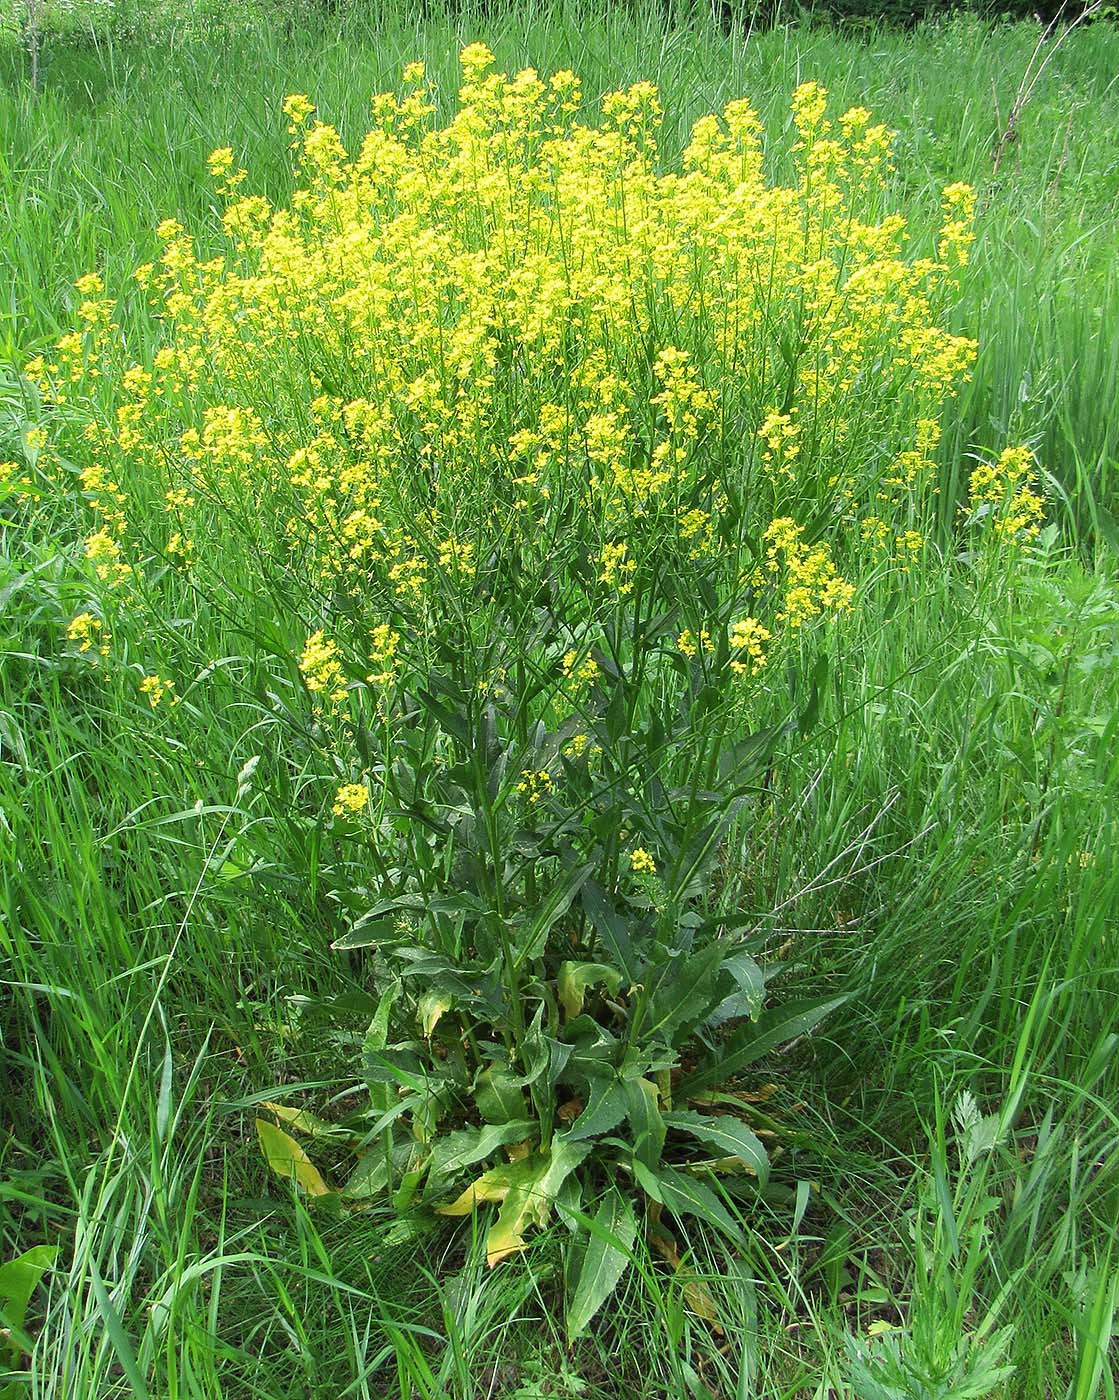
{"x":755,"y":1040}
{"x":544,"y":1056}
{"x":593,"y":1046}
{"x":606,"y":1109}
{"x":288,"y":1160}
{"x":532,"y":936}
{"x":376,"y":1038}
{"x":808,"y":716}
{"x":498,"y":1095}
{"x":644,"y":1117}
{"x":457,"y":1150}
{"x":610,"y":926}
{"x":684,"y":1195}
{"x":680,"y":989}
{"x":726,"y":1136}
{"x":375,"y":1169}
{"x":19,"y":1278}
{"x":612,"y":1231}
{"x":378,"y":923}
{"x":701,"y":854}
{"x":747,"y":999}
{"x":576,"y":977}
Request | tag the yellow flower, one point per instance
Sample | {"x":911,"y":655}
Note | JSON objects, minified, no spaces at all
{"x":220,"y":162}
{"x":155,"y":688}
{"x":641,"y":862}
{"x":535,"y":784}
{"x":691,"y":645}
{"x":1005,"y":490}
{"x":321,"y":669}
{"x":88,"y":631}
{"x":749,"y":637}
{"x":350,"y":799}
{"x":579,"y":671}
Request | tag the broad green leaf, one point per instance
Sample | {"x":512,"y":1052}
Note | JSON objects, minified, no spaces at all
{"x":288,"y":1160}
{"x":755,"y":1040}
{"x":452,"y":1153}
{"x":533,"y":934}
{"x":701,"y":854}
{"x":595,"y":1049}
{"x":376,"y":1038}
{"x":605,"y":1110}
{"x":376,"y":1168}
{"x":576,"y":977}
{"x":680,"y":990}
{"x":19,"y":1278}
{"x":405,"y":1193}
{"x":645,"y":1121}
{"x":610,"y":926}
{"x":544,"y":1056}
{"x":746,"y":999}
{"x":498,"y":1095}
{"x":611,"y":1233}
{"x":684,"y":1195}
{"x":530,"y":1201}
{"x":647,"y":1180}
{"x":378,"y":923}
{"x":726,"y":1135}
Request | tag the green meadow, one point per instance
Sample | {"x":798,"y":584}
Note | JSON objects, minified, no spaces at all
{"x":811,"y":897}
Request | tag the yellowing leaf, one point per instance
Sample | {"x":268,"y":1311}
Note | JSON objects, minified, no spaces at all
{"x":492,"y":1186}
{"x":696,"y":1292}
{"x":576,"y":977}
{"x":300,"y":1120}
{"x":288,"y":1160}
{"x":430,"y":1008}
{"x":530,"y":1200}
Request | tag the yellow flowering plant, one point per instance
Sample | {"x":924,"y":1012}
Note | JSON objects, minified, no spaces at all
{"x":541,"y":452}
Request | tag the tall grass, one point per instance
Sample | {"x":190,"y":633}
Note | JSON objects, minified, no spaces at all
{"x":939,"y":847}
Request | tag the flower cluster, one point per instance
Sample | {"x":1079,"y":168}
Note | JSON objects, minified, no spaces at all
{"x":1006,"y":490}
{"x":508,"y":370}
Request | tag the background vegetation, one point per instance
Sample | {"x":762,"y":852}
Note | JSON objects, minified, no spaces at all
{"x":937,"y":849}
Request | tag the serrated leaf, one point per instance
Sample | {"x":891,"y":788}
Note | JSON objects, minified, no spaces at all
{"x":610,"y":926}
{"x":684,"y":1195}
{"x":644,"y":1117}
{"x":458,"y":1150}
{"x":375,"y":1169}
{"x":532,"y":936}
{"x":607,"y":1255}
{"x":605,"y":1110}
{"x":498,"y":1095}
{"x":753,"y":1041}
{"x":680,"y":990}
{"x":530,"y":1201}
{"x":376,"y":1038}
{"x":746,"y":999}
{"x":727,"y":1135}
{"x":288,"y":1160}
{"x":576,"y":977}
{"x":492,"y":1187}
